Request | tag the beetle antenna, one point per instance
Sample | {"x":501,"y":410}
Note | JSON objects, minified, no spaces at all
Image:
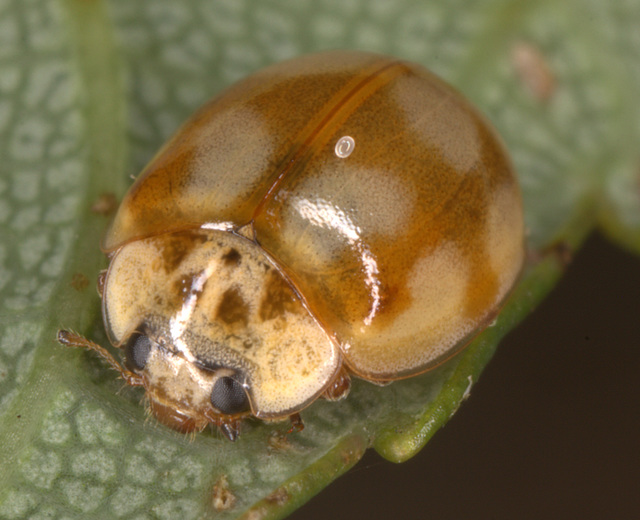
{"x":71,"y":339}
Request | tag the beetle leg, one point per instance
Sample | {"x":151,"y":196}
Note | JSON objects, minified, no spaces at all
{"x":296,"y":423}
{"x":230,"y":429}
{"x":102,"y":277}
{"x":71,"y":339}
{"x":339,"y":387}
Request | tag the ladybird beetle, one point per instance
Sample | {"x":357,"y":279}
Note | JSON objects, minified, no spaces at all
{"x":338,"y":214}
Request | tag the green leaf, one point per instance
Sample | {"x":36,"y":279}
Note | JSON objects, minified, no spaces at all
{"x":90,"y":89}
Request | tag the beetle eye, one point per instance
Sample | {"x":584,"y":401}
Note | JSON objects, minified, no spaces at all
{"x":136,"y":351}
{"x":228,"y":396}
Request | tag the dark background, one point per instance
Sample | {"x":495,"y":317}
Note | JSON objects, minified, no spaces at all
{"x":551,"y":430}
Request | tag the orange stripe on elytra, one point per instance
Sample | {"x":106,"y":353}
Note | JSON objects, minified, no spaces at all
{"x":318,"y":131}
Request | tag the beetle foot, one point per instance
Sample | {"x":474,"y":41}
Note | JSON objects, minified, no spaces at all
{"x":297,"y":425}
{"x":102,"y":278}
{"x":230,"y":429}
{"x":339,"y":387}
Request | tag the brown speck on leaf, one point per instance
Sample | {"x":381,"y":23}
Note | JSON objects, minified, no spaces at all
{"x":222,"y":498}
{"x":279,"y":497}
{"x":105,"y":204}
{"x":350,"y":456}
{"x":79,"y":282}
{"x":279,"y":442}
{"x":561,"y":250}
{"x":533,"y":70}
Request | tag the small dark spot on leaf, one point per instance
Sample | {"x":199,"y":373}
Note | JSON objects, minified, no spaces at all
{"x":279,"y":442}
{"x":533,"y":70}
{"x":562,"y":251}
{"x":279,"y":497}
{"x":79,"y":282}
{"x":105,"y":204}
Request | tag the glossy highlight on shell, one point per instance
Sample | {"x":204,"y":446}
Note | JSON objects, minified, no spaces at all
{"x":342,"y":213}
